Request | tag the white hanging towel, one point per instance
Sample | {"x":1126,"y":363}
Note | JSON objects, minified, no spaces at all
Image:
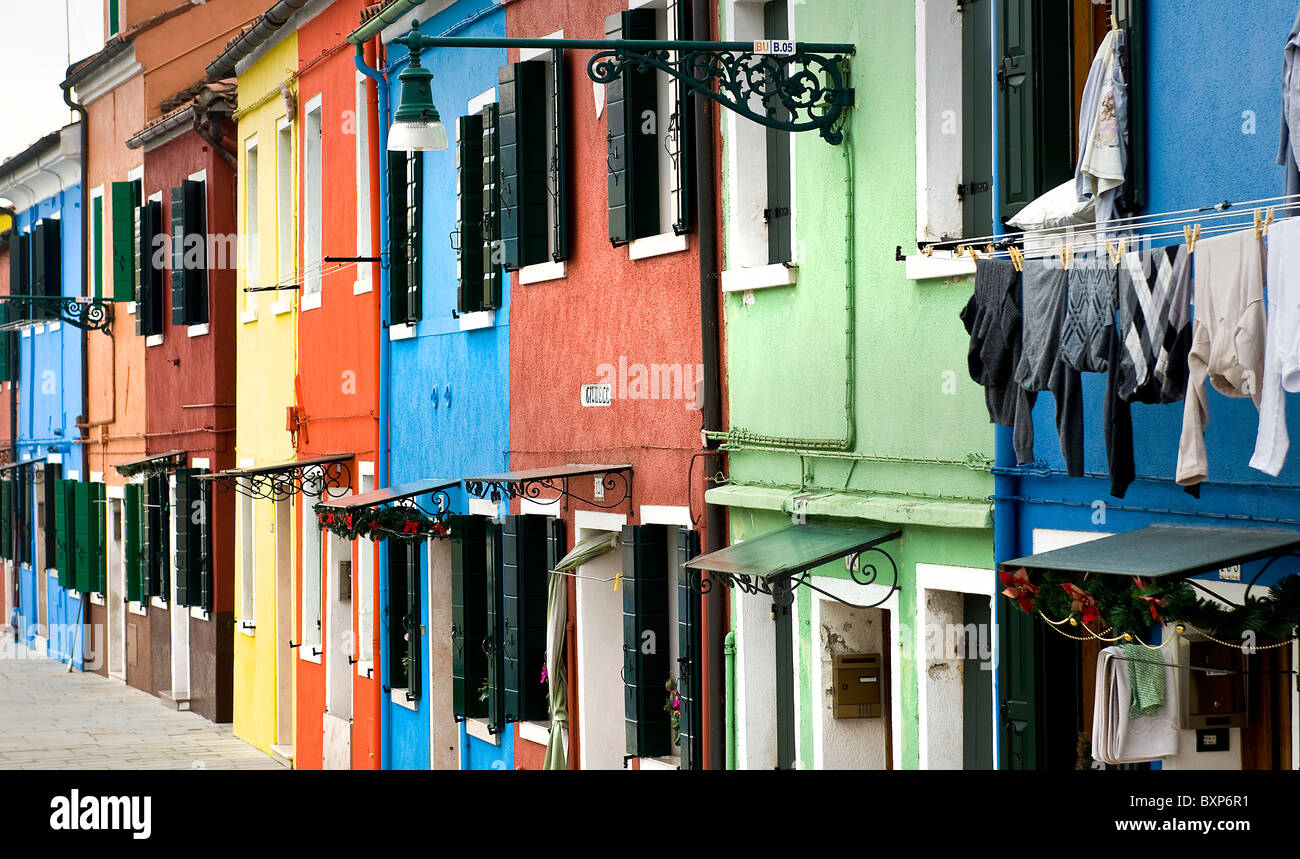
{"x":1117,"y":737}
{"x":1281,"y":346}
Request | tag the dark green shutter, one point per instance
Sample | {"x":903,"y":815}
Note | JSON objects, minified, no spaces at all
{"x":178,"y":255}
{"x":684,"y":121}
{"x":469,"y":213}
{"x":492,"y":594}
{"x":154,"y":542}
{"x":114,"y":21}
{"x":779,"y":198}
{"x":62,"y":532}
{"x":47,"y":261}
{"x":53,"y":474}
{"x":7,"y":373}
{"x":124,"y":215}
{"x":468,"y":615}
{"x":633,"y":155}
{"x":976,"y":119}
{"x":163,"y":537}
{"x":416,"y":669}
{"x":1035,"y":103}
{"x":17,"y":272}
{"x":411,"y":304}
{"x":397,"y":249}
{"x":200,"y":542}
{"x":399,"y":644}
{"x":196,"y":279}
{"x":81,"y":530}
{"x":97,"y":245}
{"x":181,"y":517}
{"x":97,"y":532}
{"x":1017,"y":687}
{"x":6,"y":519}
{"x":558,"y":164}
{"x":131,"y":537}
{"x":149,"y":311}
{"x":524,"y":579}
{"x":645,"y":640}
{"x":523,"y":162}
{"x":23,"y":503}
{"x":491,"y":204}
{"x":1129,"y":16}
{"x":690,"y":664}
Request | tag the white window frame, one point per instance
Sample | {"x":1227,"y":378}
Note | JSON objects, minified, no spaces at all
{"x":313,"y":177}
{"x":365,"y":237}
{"x":365,"y":583}
{"x":286,"y":225}
{"x":106,"y":288}
{"x":247,"y":623}
{"x":251,"y":172}
{"x":311,"y":602}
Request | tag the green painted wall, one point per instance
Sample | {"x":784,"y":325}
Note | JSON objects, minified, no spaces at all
{"x":785,"y":346}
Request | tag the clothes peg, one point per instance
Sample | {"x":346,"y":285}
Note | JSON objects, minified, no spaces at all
{"x":1259,"y":226}
{"x":929,"y":250}
{"x":1190,"y":236}
{"x":1110,"y":252}
{"x":1114,"y":21}
{"x":989,"y":250}
{"x":1017,"y":258}
{"x":974,"y":254}
{"x":1268,"y":218}
{"x":617,"y":578}
{"x":1066,"y":253}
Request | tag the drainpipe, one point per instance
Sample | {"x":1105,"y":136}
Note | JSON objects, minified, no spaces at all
{"x":571,"y":643}
{"x":85,"y":278}
{"x":729,"y":648}
{"x":710,"y":314}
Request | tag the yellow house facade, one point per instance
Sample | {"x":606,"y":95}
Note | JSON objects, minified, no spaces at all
{"x":267,"y":222}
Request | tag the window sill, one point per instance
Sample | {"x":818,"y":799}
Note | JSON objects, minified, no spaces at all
{"x":76,"y":595}
{"x":535,"y":732}
{"x":96,"y":599}
{"x":39,"y":329}
{"x":476,"y":320}
{"x":196,"y":330}
{"x":248,"y":316}
{"x":249,"y":629}
{"x":158,"y":602}
{"x":199,"y":613}
{"x":52,"y":573}
{"x":759,"y":277}
{"x":653,"y":246}
{"x":478,"y":729}
{"x":305,"y":654}
{"x":664,"y":763}
{"x":542,"y":271}
{"x":922,"y":267}
{"x":482,"y":507}
{"x":365,"y":668}
{"x":153,"y":340}
{"x":361,"y":287}
{"x":404,"y":331}
{"x":55,"y":326}
{"x":130,"y":308}
{"x":398,"y":697}
{"x":310,"y":301}
{"x":137,"y":608}
{"x":27,"y":332}
{"x":282,"y":307}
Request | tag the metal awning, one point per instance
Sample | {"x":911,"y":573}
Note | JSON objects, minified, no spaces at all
{"x":391,"y":494}
{"x":1163,"y":552}
{"x":611,"y":490}
{"x":153,"y":463}
{"x":11,"y":466}
{"x":312,"y":476}
{"x":776,"y":562}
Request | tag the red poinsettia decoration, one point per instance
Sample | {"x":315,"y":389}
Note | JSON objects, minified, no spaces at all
{"x":1148,"y":593}
{"x":410,"y":526}
{"x":1019,"y":588}
{"x":440,"y":530}
{"x":1084,"y":603}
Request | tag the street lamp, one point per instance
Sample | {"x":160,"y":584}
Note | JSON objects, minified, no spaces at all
{"x":416,"y":125}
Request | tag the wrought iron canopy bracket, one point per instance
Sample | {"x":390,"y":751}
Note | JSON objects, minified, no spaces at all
{"x":91,"y":314}
{"x":311,"y":479}
{"x":810,"y":83}
{"x":782,"y":589}
{"x":617,"y":486}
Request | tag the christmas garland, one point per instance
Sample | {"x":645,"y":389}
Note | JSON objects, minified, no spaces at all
{"x":1133,"y":605}
{"x":379,"y":523}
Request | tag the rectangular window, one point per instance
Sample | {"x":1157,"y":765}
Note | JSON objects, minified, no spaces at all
{"x":193,"y":541}
{"x":406,"y":236}
{"x":632,"y":118}
{"x":365,"y":244}
{"x":469,"y":557}
{"x":286,"y":229}
{"x":776,"y":25}
{"x":155,"y":548}
{"x":247,"y":571}
{"x":97,"y":244}
{"x":647,"y":645}
{"x":251,"y":260}
{"x":365,"y":591}
{"x":403,"y":610}
{"x":532,"y":149}
{"x":311,"y":582}
{"x":148,"y":277}
{"x":189,"y":271}
{"x":133,"y":507}
{"x":469,"y":214}
{"x":312,"y":190}
{"x":114,"y":18}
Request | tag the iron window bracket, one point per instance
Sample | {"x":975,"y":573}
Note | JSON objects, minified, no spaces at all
{"x":811,"y":82}
{"x":782,"y":588}
{"x":615,"y":483}
{"x":91,"y":314}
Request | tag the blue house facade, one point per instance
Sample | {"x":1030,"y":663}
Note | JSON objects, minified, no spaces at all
{"x":444,"y":376}
{"x":44,"y":184}
{"x":1188,"y":151}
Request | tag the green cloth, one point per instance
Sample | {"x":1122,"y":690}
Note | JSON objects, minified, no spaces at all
{"x":1146,"y":673}
{"x":556,"y":616}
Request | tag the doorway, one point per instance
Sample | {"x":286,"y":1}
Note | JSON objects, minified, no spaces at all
{"x":179,"y":614}
{"x":339,"y":648}
{"x":602,"y":736}
{"x":283,"y":628}
{"x":116,"y":592}
{"x":39,"y":575}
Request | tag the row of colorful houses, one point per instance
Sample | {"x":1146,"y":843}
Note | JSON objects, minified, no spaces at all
{"x":626,"y":429}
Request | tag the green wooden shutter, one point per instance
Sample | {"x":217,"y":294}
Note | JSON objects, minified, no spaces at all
{"x":47,"y":261}
{"x":164,"y":540}
{"x":523,"y":162}
{"x":558,"y":164}
{"x":684,"y":121}
{"x":631,"y":117}
{"x":7,"y":373}
{"x":97,"y":245}
{"x":469,"y":213}
{"x":81,"y":536}
{"x":178,"y":255}
{"x":524,"y":579}
{"x":690,"y":674}
{"x":977,"y":119}
{"x":468,"y":615}
{"x":181,"y":522}
{"x":97,"y":532}
{"x":153,"y":551}
{"x":53,"y":473}
{"x":6,"y":519}
{"x":399,"y":645}
{"x":492,"y":595}
{"x":779,"y":198}
{"x":114,"y":21}
{"x":397,"y":250}
{"x":1017,"y":687}
{"x":196,"y":279}
{"x":63,"y":534}
{"x":415,"y":671}
{"x":1129,"y":16}
{"x":412,"y":302}
{"x":132,"y":505}
{"x":491,"y":203}
{"x":200,"y":542}
{"x":645,"y":640}
{"x":149,"y":311}
{"x":124,"y":217}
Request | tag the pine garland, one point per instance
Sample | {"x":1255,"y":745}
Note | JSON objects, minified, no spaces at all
{"x":381,"y":523}
{"x":1133,"y":605}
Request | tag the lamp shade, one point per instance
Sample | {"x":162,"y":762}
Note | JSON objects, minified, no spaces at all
{"x":416,"y":124}
{"x":416,"y":136}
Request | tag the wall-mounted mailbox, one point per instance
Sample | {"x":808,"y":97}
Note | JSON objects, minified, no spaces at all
{"x":1216,"y":694}
{"x":858,"y":678}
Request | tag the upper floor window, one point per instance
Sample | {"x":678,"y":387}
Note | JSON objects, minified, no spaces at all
{"x":311,"y":199}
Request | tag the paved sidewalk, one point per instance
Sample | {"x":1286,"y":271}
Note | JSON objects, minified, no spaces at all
{"x":50,"y":719}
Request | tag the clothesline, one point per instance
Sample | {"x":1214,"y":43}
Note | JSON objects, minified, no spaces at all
{"x":1199,"y":667}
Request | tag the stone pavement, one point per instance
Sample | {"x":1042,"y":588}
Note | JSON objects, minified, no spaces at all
{"x":50,"y":719}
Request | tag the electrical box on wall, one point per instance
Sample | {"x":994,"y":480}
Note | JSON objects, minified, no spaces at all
{"x":858,"y":678}
{"x":1215,"y":690}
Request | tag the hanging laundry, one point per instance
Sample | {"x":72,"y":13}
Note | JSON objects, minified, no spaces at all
{"x":1103,"y":128}
{"x":1227,"y":338}
{"x":1045,"y":294}
{"x":1089,"y":314}
{"x":1289,"y":152}
{"x":1282,"y":347}
{"x":1118,"y":737}
{"x":992,"y":318}
{"x":1155,"y":316}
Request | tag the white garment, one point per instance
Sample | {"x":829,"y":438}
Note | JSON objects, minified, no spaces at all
{"x":1282,"y":345}
{"x":1103,"y":129}
{"x":1118,"y":738}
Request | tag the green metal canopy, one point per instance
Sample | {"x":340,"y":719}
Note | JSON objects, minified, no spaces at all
{"x":1163,"y":551}
{"x":792,"y":549}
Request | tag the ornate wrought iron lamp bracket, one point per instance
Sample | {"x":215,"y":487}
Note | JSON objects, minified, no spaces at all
{"x":616,"y":486}
{"x":91,"y":314}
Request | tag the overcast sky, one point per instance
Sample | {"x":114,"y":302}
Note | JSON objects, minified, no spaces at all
{"x":36,"y":39}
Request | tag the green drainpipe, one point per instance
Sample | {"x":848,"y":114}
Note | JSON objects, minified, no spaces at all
{"x":729,"y":652}
{"x":392,"y":13}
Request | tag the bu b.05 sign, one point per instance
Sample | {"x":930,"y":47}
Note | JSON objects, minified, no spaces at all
{"x":774,"y":46}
